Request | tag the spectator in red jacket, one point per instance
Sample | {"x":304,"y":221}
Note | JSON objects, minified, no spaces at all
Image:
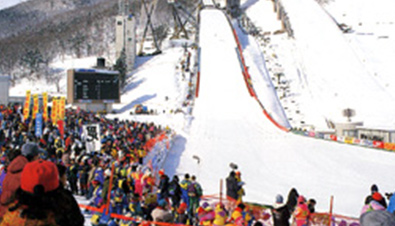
{"x":12,"y":181}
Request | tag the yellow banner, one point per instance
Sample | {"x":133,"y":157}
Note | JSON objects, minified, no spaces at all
{"x":54,"y":113}
{"x":61,"y":107}
{"x":35,"y":105}
{"x":26,"y":107}
{"x":45,"y":106}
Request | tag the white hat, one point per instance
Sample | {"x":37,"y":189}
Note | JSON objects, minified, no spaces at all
{"x":107,"y":172}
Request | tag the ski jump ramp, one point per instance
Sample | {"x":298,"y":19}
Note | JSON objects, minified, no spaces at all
{"x":228,"y":125}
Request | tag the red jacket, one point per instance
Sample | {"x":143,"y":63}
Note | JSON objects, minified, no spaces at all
{"x":12,"y":182}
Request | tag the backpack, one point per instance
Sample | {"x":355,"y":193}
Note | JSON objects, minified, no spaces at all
{"x":192,"y":192}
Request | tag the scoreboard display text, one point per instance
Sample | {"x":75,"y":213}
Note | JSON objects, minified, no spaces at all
{"x":93,"y":86}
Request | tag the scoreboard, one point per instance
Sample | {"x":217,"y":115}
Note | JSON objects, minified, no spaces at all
{"x":92,"y":86}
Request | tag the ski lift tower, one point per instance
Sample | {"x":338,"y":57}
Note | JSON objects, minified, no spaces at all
{"x":125,"y":34}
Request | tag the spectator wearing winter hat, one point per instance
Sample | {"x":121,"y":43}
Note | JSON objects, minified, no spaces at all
{"x":161,"y":214}
{"x":220,"y":215}
{"x":96,"y":198}
{"x":301,"y":213}
{"x":163,"y":188}
{"x":12,"y":181}
{"x":375,"y":195}
{"x":240,"y":216}
{"x":206,"y":214}
{"x":194,"y":192}
{"x":175,"y":192}
{"x":181,"y":216}
{"x":72,"y":176}
{"x":292,"y":200}
{"x":91,"y":177}
{"x":240,"y":183}
{"x":36,"y":196}
{"x":232,"y":186}
{"x":106,"y":185}
{"x":280,"y":212}
{"x":311,"y":205}
{"x":184,"y":188}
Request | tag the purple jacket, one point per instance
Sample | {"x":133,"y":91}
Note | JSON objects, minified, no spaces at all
{"x":12,"y":182}
{"x":2,"y":176}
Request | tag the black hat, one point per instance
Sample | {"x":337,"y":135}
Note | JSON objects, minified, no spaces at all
{"x":374,"y":188}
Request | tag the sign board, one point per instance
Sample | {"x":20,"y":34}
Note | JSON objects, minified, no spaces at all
{"x":91,"y":137}
{"x":39,"y":125}
{"x":93,"y":86}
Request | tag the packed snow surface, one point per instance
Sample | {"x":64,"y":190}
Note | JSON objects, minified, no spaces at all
{"x":229,"y":126}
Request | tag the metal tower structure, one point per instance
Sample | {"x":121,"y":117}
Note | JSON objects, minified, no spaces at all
{"x":125,"y":31}
{"x":148,"y":7}
{"x":181,"y":17}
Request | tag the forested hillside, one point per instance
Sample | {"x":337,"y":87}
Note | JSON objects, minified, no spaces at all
{"x":35,"y":33}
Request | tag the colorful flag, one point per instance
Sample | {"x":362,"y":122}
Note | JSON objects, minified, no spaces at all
{"x":35,"y":105}
{"x":61,"y":128}
{"x":61,"y":108}
{"x":26,"y":107}
{"x":45,"y":106}
{"x":54,"y":113}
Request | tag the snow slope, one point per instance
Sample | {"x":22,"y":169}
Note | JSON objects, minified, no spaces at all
{"x":373,"y":34}
{"x":228,"y":126}
{"x":330,"y":74}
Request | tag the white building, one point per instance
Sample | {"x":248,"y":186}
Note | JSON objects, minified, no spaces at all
{"x":4,"y":89}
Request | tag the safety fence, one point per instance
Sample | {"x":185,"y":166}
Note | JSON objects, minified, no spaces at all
{"x":261,"y":213}
{"x":348,"y":140}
